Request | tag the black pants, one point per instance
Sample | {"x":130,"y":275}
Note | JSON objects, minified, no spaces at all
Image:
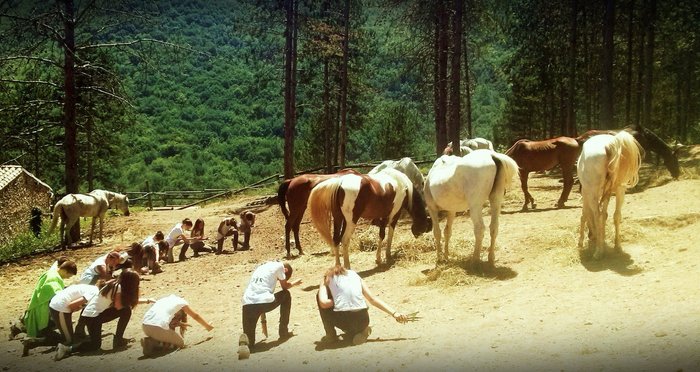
{"x":251,"y":314}
{"x":64,"y":323}
{"x":350,"y":322}
{"x":94,"y":326}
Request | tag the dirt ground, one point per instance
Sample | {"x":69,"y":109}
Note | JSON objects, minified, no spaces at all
{"x":547,"y":306}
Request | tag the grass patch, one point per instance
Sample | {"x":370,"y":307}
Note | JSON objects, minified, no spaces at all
{"x":26,"y":244}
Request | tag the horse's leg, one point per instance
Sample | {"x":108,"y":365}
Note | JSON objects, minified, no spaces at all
{"x":389,"y":239}
{"x":436,"y":231}
{"x":69,"y":226}
{"x":582,"y":227}
{"x":617,"y":217}
{"x":63,"y":237}
{"x":102,"y":219}
{"x":568,"y":174}
{"x":349,"y":229}
{"x":92,"y":230}
{"x":602,"y":221}
{"x":382,"y":235}
{"x":478,"y":221}
{"x":287,"y":230}
{"x":295,"y":227}
{"x":523,"y":185}
{"x":495,"y":203}
{"x":448,"y":232}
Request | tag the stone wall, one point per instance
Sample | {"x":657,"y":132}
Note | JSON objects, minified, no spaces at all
{"x":16,"y":202}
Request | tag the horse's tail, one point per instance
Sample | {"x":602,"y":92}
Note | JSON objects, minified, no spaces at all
{"x":282,"y":197}
{"x":58,"y":212}
{"x":506,"y":170}
{"x":630,"y":159}
{"x":321,"y":203}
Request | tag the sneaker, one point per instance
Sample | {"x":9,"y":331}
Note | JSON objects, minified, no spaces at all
{"x":26,"y":345}
{"x":328,"y":340}
{"x":148,"y":345}
{"x":243,"y":351}
{"x":243,"y":340}
{"x":62,"y":351}
{"x":361,"y":337}
{"x":119,"y":342}
{"x":15,"y":329}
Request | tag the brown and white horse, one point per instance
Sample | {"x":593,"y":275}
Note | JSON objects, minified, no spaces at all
{"x":95,"y":204}
{"x":608,"y":164}
{"x":294,"y":193}
{"x":377,"y":197}
{"x":534,"y":156}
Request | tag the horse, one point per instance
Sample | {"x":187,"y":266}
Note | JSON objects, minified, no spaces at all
{"x":649,"y":142}
{"x":534,"y":156}
{"x":468,"y":145}
{"x":295,"y":192}
{"x":378,"y":197}
{"x":405,"y":166}
{"x":95,"y":204}
{"x":455,"y":184}
{"x":607,"y":164}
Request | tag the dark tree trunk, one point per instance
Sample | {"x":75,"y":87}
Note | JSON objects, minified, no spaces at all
{"x":467,"y":90}
{"x":90,"y":155}
{"x":71,"y":96}
{"x":344,"y":87}
{"x":640,"y":67}
{"x":571,"y":95}
{"x":649,"y":64}
{"x":455,"y":87}
{"x":606,"y":97}
{"x":289,"y":104}
{"x":327,"y":121}
{"x":441,"y":77}
{"x":630,"y":48}
{"x":587,"y":61}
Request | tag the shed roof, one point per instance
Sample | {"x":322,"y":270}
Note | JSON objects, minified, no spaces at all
{"x":9,"y":173}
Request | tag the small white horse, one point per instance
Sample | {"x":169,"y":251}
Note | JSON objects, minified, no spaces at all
{"x":95,"y":204}
{"x":377,"y":197}
{"x":468,"y":145}
{"x":607,"y":164}
{"x":456,"y":184}
{"x":407,"y":167}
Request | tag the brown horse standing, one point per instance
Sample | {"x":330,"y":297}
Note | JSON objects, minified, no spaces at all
{"x":533,"y":156}
{"x":295,"y":193}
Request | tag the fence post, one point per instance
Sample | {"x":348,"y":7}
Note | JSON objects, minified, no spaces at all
{"x":148,"y":192}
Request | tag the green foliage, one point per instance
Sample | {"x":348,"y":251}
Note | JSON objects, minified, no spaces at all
{"x":26,"y":243}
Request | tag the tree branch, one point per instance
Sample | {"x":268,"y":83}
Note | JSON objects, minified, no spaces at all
{"x":100,"y":90}
{"x":30,"y":82}
{"x":40,"y":59}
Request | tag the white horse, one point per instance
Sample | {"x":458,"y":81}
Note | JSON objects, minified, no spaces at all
{"x":95,"y":204}
{"x":607,"y":164}
{"x":377,"y":197}
{"x":468,"y":145}
{"x":456,"y":184}
{"x":407,"y":167}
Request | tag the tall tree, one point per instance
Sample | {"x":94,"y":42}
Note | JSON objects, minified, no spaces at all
{"x":608,"y":53}
{"x":440,"y":75}
{"x":649,"y":62}
{"x":456,"y":72}
{"x":289,"y":87}
{"x":344,"y":83}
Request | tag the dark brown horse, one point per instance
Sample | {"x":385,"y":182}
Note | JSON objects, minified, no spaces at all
{"x":650,"y":143}
{"x":295,"y":193}
{"x":533,"y":156}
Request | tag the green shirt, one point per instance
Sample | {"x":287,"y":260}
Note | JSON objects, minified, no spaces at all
{"x":37,"y":316}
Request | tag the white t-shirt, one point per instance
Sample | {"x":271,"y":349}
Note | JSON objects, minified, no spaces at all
{"x":173,"y":234}
{"x":91,"y":271}
{"x":163,"y":311}
{"x":152,"y":242}
{"x":347,"y":292}
{"x":262,"y":283}
{"x":64,"y":297}
{"x":226,"y":228}
{"x":99,"y":303}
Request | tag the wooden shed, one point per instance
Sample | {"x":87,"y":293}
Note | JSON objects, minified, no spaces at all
{"x":20,"y":192}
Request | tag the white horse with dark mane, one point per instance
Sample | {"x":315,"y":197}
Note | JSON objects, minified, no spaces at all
{"x":456,"y":184}
{"x":405,"y":166}
{"x":608,"y":164}
{"x":95,"y":204}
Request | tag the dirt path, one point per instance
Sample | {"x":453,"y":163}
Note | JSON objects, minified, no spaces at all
{"x":547,"y":307}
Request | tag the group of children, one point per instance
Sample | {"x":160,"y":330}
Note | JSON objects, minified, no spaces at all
{"x":101,"y":297}
{"x":342,"y":298}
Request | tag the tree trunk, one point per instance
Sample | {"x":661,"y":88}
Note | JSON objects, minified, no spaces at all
{"x":89,"y":153}
{"x":327,"y":122}
{"x":441,"y":77}
{"x":571,"y":95}
{"x":587,"y":60}
{"x":467,"y":90}
{"x":628,"y":77}
{"x":649,"y":64}
{"x":289,"y":104}
{"x":640,"y":67}
{"x":455,"y":97}
{"x":69,"y":122}
{"x":344,"y":87}
{"x":606,"y":97}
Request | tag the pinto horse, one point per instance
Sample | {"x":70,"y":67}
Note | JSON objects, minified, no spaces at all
{"x":405,"y":166}
{"x":533,"y":156}
{"x":455,"y":184}
{"x":295,"y":193}
{"x":607,"y":164}
{"x":378,"y":197}
{"x":95,"y":204}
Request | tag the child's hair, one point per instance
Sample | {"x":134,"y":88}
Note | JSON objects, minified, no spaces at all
{"x":61,"y":260}
{"x":135,"y":250}
{"x":187,"y":222}
{"x":69,"y":267}
{"x":159,"y":235}
{"x":198,"y":229}
{"x":128,"y":281}
{"x":289,"y":272}
{"x":335,"y":270}
{"x":163,"y":245}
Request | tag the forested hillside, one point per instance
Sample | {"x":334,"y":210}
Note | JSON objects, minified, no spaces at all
{"x":191,"y":95}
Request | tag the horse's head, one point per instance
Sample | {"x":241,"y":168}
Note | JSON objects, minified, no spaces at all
{"x":121,"y":202}
{"x":421,"y":221}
